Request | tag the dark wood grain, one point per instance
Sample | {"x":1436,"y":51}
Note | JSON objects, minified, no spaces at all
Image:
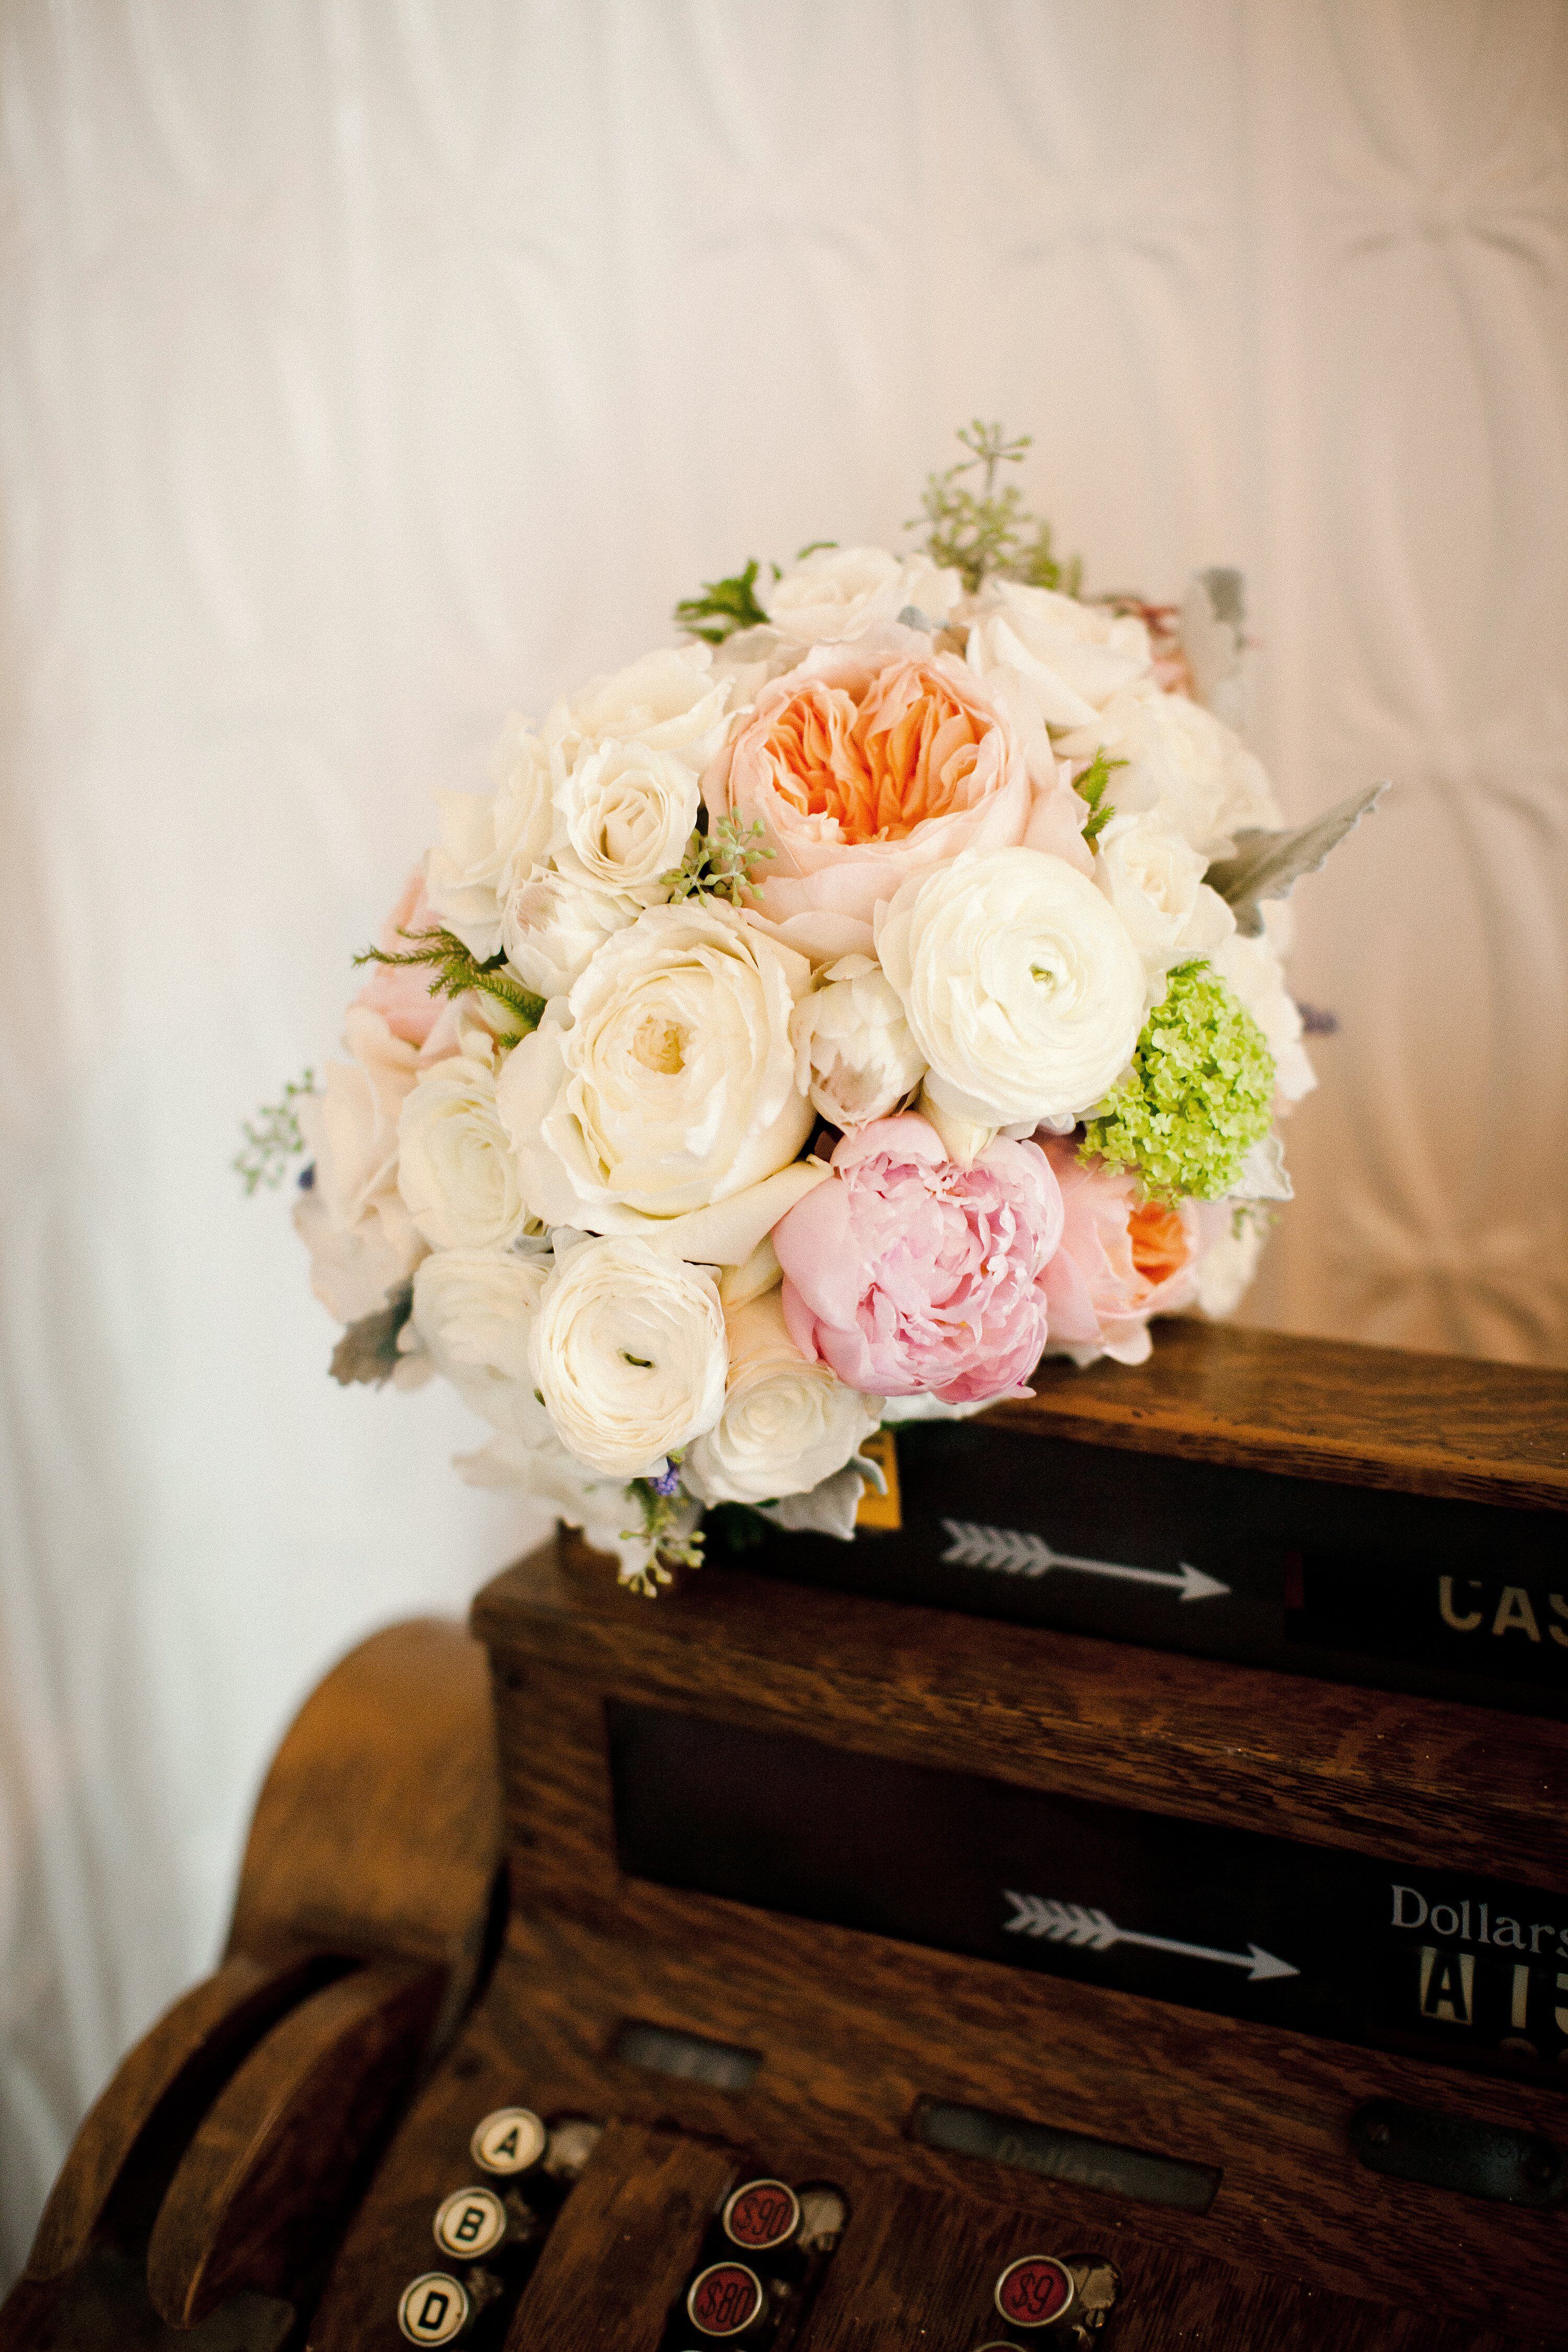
{"x":264,"y":2185}
{"x":1320,"y":1409}
{"x":127,"y":2148}
{"x":625,"y":2245}
{"x":1370,"y":1771}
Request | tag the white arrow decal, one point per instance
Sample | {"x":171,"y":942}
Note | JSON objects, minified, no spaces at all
{"x":1076,"y":1923}
{"x":1015,"y":1554}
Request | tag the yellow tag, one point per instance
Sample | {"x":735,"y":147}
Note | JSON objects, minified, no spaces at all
{"x":881,"y":1510}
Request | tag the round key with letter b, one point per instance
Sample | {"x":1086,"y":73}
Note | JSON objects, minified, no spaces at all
{"x":508,"y":2140}
{"x":433,"y":2309}
{"x":469,"y":2223}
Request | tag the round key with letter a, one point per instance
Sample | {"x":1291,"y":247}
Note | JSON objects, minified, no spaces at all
{"x":511,"y":2140}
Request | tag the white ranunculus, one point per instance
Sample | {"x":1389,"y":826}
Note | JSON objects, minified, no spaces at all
{"x":837,"y":593}
{"x":628,"y":1352}
{"x":1072,"y":657}
{"x":1021,"y":984}
{"x":786,"y":1424}
{"x":455,"y":1169}
{"x":666,"y":1081}
{"x":854,"y":1054}
{"x":1180,"y":759}
{"x":351,"y":1217}
{"x":473,"y":1315}
{"x":624,"y":817}
{"x":1253,"y":968}
{"x":463,"y":871}
{"x":668,"y":701}
{"x":524,"y":801}
{"x":553,"y":925}
{"x":1154,"y":878}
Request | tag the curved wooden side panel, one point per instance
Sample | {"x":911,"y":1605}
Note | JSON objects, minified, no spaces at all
{"x":378,"y":1827}
{"x":127,"y":2148}
{"x":264,"y":2185}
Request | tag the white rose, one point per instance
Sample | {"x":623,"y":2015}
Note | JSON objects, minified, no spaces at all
{"x":473,"y":1315}
{"x":553,"y":927}
{"x":1182,"y":760}
{"x":854,"y":1054}
{"x":624,"y":814}
{"x":666,"y":1081}
{"x":1073,"y":658}
{"x":786,"y":1424}
{"x":837,"y":593}
{"x":1154,"y":879}
{"x":628,"y":1350}
{"x":351,"y":1217}
{"x":668,"y":701}
{"x":1253,"y":968}
{"x":455,"y":1169}
{"x":485,"y":841}
{"x":1020,"y":985}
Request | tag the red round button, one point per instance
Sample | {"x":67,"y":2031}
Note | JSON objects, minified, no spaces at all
{"x":762,"y":2214}
{"x":1036,"y":2291}
{"x":725,"y":2299}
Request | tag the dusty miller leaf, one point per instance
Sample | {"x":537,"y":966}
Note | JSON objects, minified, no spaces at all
{"x":368,"y":1348}
{"x":1267,"y":865}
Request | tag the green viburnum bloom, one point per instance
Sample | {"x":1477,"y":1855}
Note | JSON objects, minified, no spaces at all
{"x":1199,"y":1095}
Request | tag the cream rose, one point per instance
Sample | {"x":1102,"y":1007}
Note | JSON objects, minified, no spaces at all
{"x":786,"y":1424}
{"x":854,"y":1054}
{"x":473,"y":1315}
{"x":628,"y":1352}
{"x":624,"y":814}
{"x":455,"y":1169}
{"x":666,"y":1081}
{"x":485,"y":842}
{"x":668,"y":701}
{"x":1072,"y":657}
{"x":1154,"y":878}
{"x":1182,"y":760}
{"x":1253,"y":968}
{"x":1020,"y":985}
{"x":554,"y":926}
{"x":835,"y":593}
{"x":351,"y":1217}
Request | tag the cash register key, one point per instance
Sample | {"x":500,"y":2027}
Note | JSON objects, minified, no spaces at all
{"x":469,"y":2223}
{"x":762,"y":2216}
{"x":508,"y":2140}
{"x":725,"y":2300}
{"x":1036,"y":2291}
{"x":433,"y":2308}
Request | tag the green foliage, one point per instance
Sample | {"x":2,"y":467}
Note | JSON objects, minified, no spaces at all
{"x":367,"y":1351}
{"x":1198,"y":1096}
{"x":456,"y":971}
{"x":272,"y":1138}
{"x":724,"y":606}
{"x":736,"y":1529}
{"x":1090,"y":787}
{"x":718,"y":863}
{"x":977,"y":533}
{"x":672,"y":1543}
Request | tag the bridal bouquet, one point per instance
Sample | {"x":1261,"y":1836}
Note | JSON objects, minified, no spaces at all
{"x":822,"y":1020}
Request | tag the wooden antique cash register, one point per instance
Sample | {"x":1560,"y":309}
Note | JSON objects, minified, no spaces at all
{"x":1121,"y":1901}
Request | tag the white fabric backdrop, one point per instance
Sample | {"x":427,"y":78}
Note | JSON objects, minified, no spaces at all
{"x":370,"y":366}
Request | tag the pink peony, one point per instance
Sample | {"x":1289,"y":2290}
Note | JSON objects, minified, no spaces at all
{"x":907,"y":1273}
{"x":1122,"y":1259}
{"x":401,"y":992}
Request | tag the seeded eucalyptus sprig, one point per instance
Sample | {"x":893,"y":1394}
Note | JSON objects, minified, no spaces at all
{"x":718,"y":863}
{"x":272,"y":1138}
{"x":457,"y":971}
{"x":976,"y":534}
